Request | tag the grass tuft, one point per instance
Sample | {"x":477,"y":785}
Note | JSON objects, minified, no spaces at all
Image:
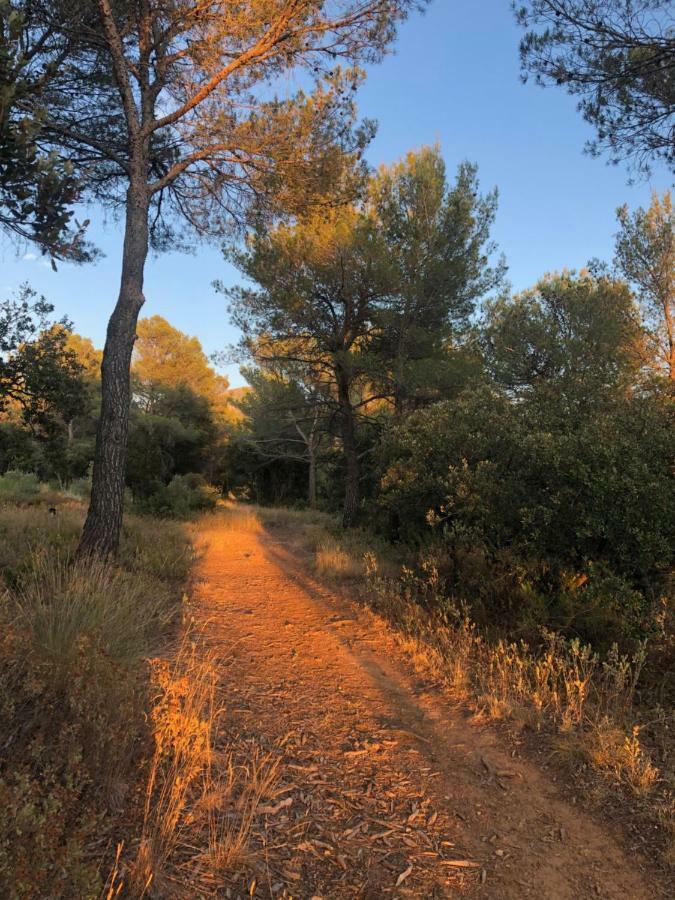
{"x":73,"y":689}
{"x":60,"y":603}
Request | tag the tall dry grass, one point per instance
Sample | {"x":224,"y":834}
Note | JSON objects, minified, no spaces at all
{"x":582,"y":705}
{"x":59,"y":603}
{"x":202,"y":798}
{"x":73,"y":640}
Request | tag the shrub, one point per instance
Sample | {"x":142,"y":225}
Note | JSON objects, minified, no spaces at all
{"x":16,"y":486}
{"x":68,"y":740}
{"x":540,"y":516}
{"x":181,"y":498}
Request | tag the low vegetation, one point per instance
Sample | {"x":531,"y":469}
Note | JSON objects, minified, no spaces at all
{"x":115,"y":778}
{"x":74,"y":687}
{"x":603,"y":718}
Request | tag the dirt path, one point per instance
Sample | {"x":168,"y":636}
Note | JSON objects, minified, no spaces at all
{"x":381,"y":776}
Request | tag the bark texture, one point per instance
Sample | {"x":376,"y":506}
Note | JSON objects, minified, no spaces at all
{"x":348,"y":431}
{"x":312,"y":477}
{"x":103,"y":524}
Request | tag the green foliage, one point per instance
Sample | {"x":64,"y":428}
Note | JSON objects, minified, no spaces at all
{"x":615,"y":56}
{"x":172,"y":437}
{"x":50,"y":385}
{"x":181,"y":498}
{"x":363,"y":306}
{"x":267,"y":479}
{"x":570,"y":526}
{"x":437,"y":240}
{"x":546,"y":498}
{"x":571,"y":342}
{"x":19,"y":450}
{"x":39,"y":374}
{"x":645,"y":255}
{"x":37,"y":188}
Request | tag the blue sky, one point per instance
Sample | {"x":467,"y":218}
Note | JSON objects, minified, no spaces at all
{"x":453,"y":79}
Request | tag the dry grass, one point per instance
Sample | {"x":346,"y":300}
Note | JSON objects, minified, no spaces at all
{"x":148,"y":546}
{"x":73,"y":639}
{"x":582,"y":706}
{"x":332,"y":561}
{"x":238,"y":791}
{"x":201,"y":802}
{"x":182,"y":719}
{"x":76,"y":640}
{"x":61,"y":603}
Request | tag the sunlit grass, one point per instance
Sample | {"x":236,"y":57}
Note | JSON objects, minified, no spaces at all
{"x":200,"y":802}
{"x":60,"y":603}
{"x":332,"y":561}
{"x":73,"y":642}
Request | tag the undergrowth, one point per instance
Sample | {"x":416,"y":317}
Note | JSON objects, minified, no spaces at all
{"x":202,"y":794}
{"x":73,"y":688}
{"x":593,"y":713}
{"x":115,"y":779}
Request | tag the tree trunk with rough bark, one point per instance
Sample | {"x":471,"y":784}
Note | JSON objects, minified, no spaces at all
{"x":103,"y":524}
{"x":311,"y":488}
{"x":348,"y":431}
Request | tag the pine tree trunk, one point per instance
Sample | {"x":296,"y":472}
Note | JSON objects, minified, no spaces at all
{"x":103,"y":525}
{"x":311,"y":488}
{"x":348,"y":430}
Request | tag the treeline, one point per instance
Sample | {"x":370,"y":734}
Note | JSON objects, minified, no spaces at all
{"x":522,"y":442}
{"x":50,"y":394}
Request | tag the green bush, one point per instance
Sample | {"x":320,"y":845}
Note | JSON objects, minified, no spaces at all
{"x":69,"y":739}
{"x":16,"y":485}
{"x":533,"y":518}
{"x":181,"y":498}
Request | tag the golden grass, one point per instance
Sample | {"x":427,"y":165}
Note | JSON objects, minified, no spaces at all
{"x":584,"y":706}
{"x":332,"y":561}
{"x":73,"y":687}
{"x":182,"y":720}
{"x":200,"y":802}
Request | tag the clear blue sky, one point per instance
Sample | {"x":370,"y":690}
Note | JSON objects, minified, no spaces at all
{"x":453,"y":79}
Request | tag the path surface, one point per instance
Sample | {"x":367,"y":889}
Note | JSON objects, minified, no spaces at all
{"x":383,"y":780}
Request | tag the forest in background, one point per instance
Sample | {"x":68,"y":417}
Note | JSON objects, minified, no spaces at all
{"x":523,"y":443}
{"x":520,"y":446}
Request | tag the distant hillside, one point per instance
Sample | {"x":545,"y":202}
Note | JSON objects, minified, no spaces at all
{"x":236,"y":394}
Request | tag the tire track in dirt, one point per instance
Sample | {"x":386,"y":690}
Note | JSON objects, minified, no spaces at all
{"x":387,"y":788}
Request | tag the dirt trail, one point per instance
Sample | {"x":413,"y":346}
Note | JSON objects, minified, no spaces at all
{"x":382,"y":775}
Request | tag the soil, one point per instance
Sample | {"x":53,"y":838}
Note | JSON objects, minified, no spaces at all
{"x":387,"y":787}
